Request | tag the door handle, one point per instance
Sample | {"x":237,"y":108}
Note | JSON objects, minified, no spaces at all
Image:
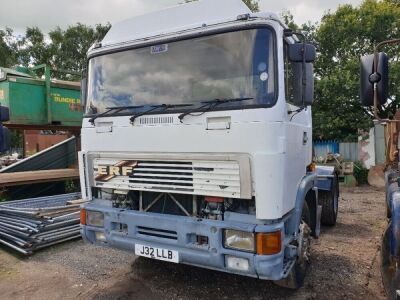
{"x":305,"y":138}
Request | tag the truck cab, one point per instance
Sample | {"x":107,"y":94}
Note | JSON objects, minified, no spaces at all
{"x":197,"y":142}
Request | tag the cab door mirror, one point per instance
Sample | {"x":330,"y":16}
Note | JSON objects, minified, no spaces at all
{"x":303,"y":84}
{"x":368,"y":77}
{"x":302,"y":52}
{"x":308,"y":88}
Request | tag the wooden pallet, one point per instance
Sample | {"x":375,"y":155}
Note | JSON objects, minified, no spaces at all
{"x":31,"y":177}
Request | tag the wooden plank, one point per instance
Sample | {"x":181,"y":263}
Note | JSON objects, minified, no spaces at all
{"x":31,"y":177}
{"x":76,"y":202}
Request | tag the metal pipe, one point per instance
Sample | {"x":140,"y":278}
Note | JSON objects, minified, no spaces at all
{"x":57,"y":242}
{"x":15,"y":247}
{"x":179,"y":205}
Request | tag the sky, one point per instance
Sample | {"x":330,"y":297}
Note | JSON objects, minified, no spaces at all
{"x":48,"y":14}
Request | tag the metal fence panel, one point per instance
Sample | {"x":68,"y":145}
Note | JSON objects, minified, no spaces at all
{"x":322,"y":148}
{"x":59,"y":156}
{"x":349,"y":151}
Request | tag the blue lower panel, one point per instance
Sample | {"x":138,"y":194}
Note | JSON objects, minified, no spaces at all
{"x":124,"y":228}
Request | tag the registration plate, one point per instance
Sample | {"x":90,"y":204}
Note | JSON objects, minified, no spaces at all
{"x":157,"y":253}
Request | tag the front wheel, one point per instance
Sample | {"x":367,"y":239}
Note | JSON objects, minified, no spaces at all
{"x":330,"y":204}
{"x":296,"y":276}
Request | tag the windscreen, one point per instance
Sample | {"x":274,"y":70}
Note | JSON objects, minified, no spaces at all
{"x":221,"y":66}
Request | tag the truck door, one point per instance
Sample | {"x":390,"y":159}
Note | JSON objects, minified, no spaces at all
{"x":298,"y":133}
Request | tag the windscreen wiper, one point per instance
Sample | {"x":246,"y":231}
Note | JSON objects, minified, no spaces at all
{"x":211,"y":104}
{"x":115,"y":110}
{"x":163,"y":107}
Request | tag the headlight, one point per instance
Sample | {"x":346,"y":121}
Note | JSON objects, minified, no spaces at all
{"x":239,"y":240}
{"x":94,"y":218}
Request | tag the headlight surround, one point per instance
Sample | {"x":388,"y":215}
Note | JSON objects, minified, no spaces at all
{"x":94,"y":218}
{"x":239,"y":240}
{"x":100,"y":236}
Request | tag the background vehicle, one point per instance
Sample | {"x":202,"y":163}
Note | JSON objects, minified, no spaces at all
{"x":196,"y":143}
{"x":374,"y":92}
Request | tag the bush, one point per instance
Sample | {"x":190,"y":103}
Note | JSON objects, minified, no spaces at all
{"x":360,"y":173}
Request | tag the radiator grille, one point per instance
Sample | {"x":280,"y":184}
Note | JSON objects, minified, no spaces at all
{"x":212,"y":178}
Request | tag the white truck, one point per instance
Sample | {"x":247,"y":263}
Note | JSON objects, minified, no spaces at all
{"x":197,"y":142}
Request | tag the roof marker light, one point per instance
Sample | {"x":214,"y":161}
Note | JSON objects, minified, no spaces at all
{"x":243,"y":17}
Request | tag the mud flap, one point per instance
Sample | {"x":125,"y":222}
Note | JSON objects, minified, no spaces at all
{"x":318,"y":225}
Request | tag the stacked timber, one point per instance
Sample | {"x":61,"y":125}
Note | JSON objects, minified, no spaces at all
{"x":31,"y":177}
{"x":32,"y":224}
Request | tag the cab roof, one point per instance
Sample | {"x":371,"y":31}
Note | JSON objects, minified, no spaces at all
{"x":174,"y":19}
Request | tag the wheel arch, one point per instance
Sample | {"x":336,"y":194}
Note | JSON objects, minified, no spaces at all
{"x":395,"y":224}
{"x":305,"y":193}
{"x":312,"y":203}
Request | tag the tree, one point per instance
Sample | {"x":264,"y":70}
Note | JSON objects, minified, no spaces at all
{"x":69,"y":47}
{"x":253,"y":5}
{"x":307,"y":29}
{"x":344,"y":36}
{"x":64,"y":49}
{"x":8,"y":56}
{"x":33,"y":50}
{"x":288,"y":19}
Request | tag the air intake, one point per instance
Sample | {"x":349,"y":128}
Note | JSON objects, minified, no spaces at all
{"x":156,"y":120}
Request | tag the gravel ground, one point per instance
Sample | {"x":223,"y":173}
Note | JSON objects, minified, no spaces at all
{"x":345,"y":265}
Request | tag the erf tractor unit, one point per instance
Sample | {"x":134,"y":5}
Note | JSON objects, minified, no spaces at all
{"x":197,"y":142}
{"x":375,"y":93}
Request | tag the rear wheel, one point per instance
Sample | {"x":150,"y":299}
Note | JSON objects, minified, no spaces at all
{"x":330,"y":204}
{"x":296,"y":276}
{"x":390,"y":267}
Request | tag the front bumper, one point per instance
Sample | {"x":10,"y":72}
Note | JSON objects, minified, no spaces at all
{"x":124,"y":228}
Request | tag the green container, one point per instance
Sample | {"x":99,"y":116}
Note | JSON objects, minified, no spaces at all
{"x":40,"y":102}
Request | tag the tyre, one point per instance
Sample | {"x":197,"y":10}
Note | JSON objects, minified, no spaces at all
{"x":388,"y":212}
{"x":295,"y":278}
{"x":330,"y":204}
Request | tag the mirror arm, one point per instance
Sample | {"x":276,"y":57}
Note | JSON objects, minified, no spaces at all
{"x":295,"y":112}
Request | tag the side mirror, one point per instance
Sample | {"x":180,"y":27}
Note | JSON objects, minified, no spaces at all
{"x":83,"y":92}
{"x":303,"y":84}
{"x":368,"y":77}
{"x":297,"y":51}
{"x":308,"y":88}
